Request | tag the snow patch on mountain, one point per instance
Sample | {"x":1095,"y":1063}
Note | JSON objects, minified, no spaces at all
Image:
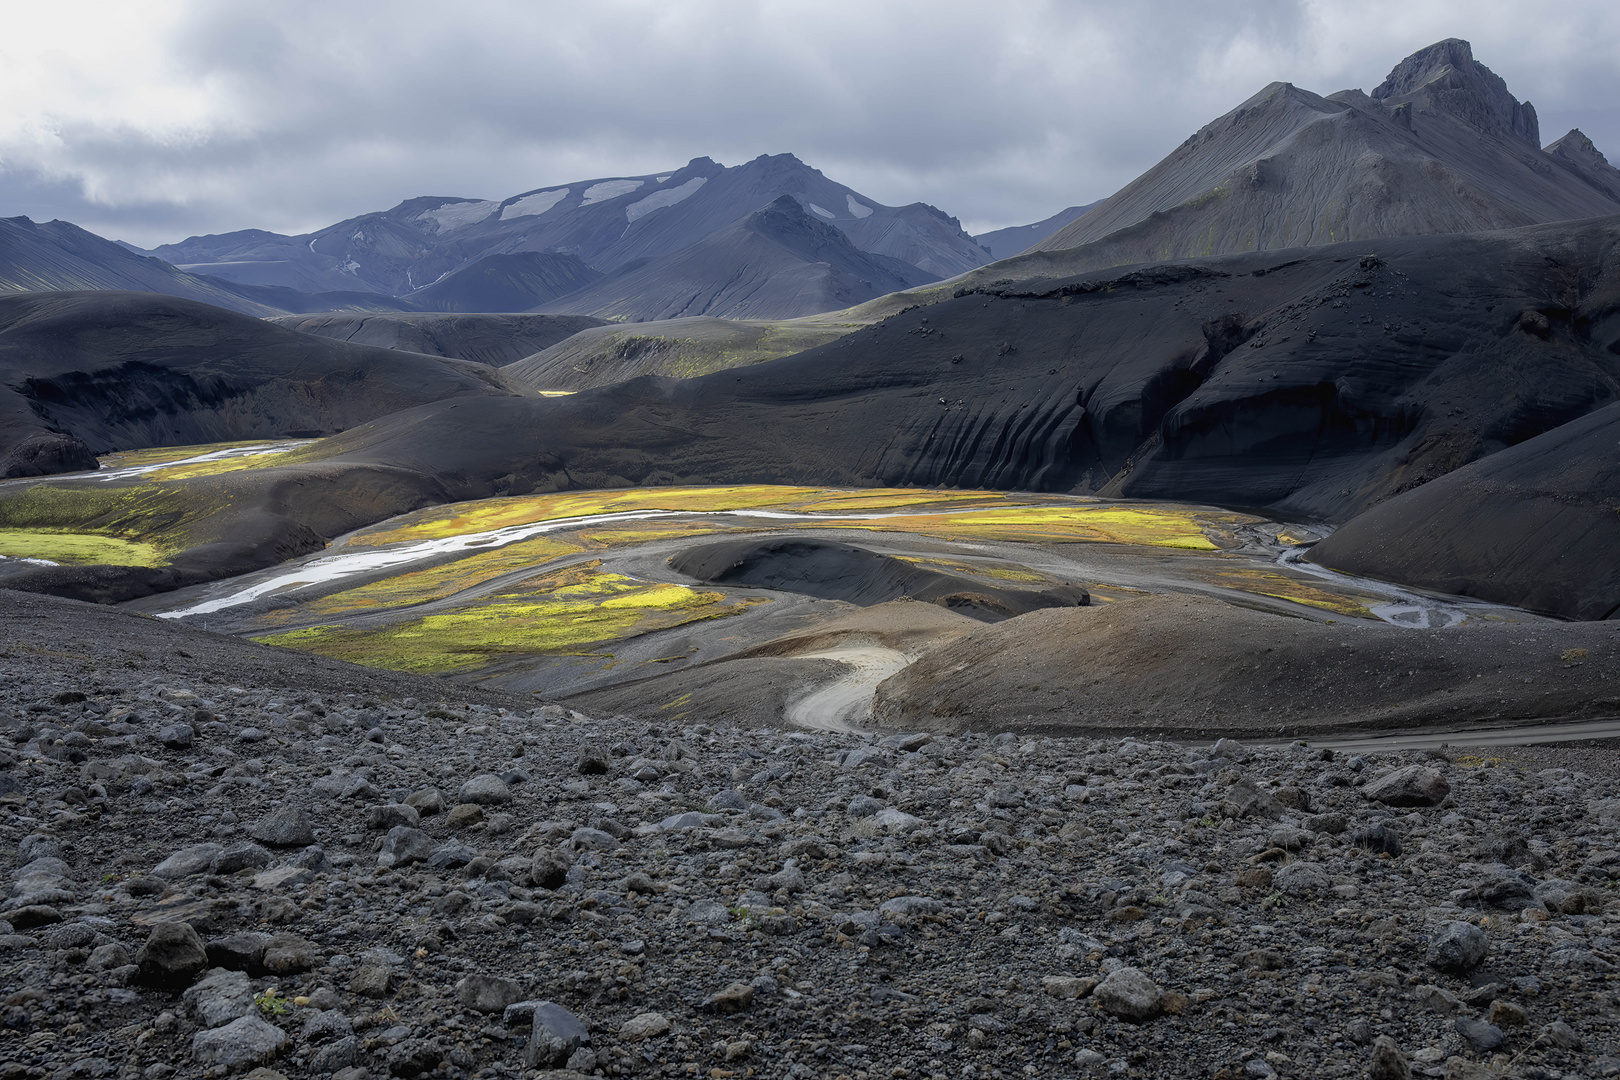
{"x":667,"y":197}
{"x":859,"y":209}
{"x":455,"y":215}
{"x":534,"y":205}
{"x":609,"y":189}
{"x":824,"y":213}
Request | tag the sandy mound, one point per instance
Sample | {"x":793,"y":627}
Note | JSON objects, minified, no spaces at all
{"x":1193,"y":667}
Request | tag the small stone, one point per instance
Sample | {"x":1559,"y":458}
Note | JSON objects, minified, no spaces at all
{"x":371,"y":980}
{"x":647,"y":1025}
{"x":172,"y":957}
{"x":385,"y":816}
{"x":1067,"y":986}
{"x":736,"y":998}
{"x":1388,"y":1063}
{"x":1560,"y":1035}
{"x":1459,"y":948}
{"x":195,"y":859}
{"x":404,"y":845}
{"x":1377,"y":839}
{"x":241,"y":951}
{"x":1130,"y":995}
{"x":485,"y":790}
{"x":218,"y":998}
{"x":464,"y":815}
{"x":1414,"y":785}
{"x":426,"y":802}
{"x":107,"y":957}
{"x":177,"y":736}
{"x":593,"y":761}
{"x":288,"y":954}
{"x":1507,"y":1014}
{"x":1478,"y":1034}
{"x":239,"y":857}
{"x":1302,"y":879}
{"x":34,"y":915}
{"x":286,"y":827}
{"x":487,"y":993}
{"x":554,"y":1035}
{"x":239,"y":1044}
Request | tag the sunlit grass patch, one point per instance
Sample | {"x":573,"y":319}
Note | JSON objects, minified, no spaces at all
{"x":219,"y":466}
{"x":1282,"y":587}
{"x":433,"y":583}
{"x":140,"y":524}
{"x":77,"y":548}
{"x":1074,"y":523}
{"x":157,"y":455}
{"x":559,"y":614}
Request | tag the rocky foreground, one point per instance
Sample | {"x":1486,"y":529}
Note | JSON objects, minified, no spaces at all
{"x":204,"y":879}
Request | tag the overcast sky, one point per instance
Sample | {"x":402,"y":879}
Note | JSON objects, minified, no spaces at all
{"x":153,"y":120}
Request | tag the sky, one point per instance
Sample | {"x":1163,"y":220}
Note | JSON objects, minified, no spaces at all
{"x":159,"y":119}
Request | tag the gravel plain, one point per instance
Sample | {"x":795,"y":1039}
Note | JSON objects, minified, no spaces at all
{"x":210,"y":875}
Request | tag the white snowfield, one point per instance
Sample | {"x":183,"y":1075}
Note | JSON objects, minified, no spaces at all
{"x":824,"y":213}
{"x":455,"y":215}
{"x":609,"y":189}
{"x":857,"y":208}
{"x":667,"y":197}
{"x":534,"y":205}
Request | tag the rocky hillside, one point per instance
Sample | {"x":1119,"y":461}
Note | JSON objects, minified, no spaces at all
{"x":373,"y":882}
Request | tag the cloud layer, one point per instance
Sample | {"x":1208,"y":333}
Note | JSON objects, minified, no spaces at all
{"x":153,"y":121}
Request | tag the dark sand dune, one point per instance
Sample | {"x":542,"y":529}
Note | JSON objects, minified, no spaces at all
{"x":500,"y":283}
{"x":779,"y":262}
{"x":115,"y":371}
{"x":1194,"y":667}
{"x":1536,"y":525}
{"x":834,"y":571}
{"x":493,"y":339}
{"x":1441,"y":146}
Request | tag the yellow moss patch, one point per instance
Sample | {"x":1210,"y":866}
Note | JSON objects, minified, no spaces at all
{"x":434,"y":583}
{"x":77,"y":548}
{"x":560,"y":614}
{"x":219,"y":466}
{"x":1073,"y":523}
{"x":1281,"y":587}
{"x":163,"y":519}
{"x":157,"y":455}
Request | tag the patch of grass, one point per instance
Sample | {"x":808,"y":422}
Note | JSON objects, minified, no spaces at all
{"x":77,"y":548}
{"x":156,"y":455}
{"x":220,"y":466}
{"x":436,"y":582}
{"x":559,"y":614}
{"x":1282,"y":587}
{"x":1171,"y":527}
{"x":140,"y":523}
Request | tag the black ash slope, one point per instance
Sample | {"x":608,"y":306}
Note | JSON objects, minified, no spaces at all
{"x":482,"y":338}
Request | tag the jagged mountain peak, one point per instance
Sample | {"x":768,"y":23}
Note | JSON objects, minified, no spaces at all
{"x":1445,"y":77}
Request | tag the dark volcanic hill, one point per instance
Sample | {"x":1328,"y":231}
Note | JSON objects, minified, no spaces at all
{"x":779,"y":262}
{"x":1317,"y":381}
{"x":607,"y":223}
{"x":1005,"y":243}
{"x":1536,"y":525}
{"x":90,"y":372}
{"x":493,"y":339}
{"x":1441,"y":146}
{"x":503,"y":283}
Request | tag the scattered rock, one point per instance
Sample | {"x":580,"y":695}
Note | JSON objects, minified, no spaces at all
{"x":1412,"y":785}
{"x":1130,"y":995}
{"x":239,"y":1044}
{"x":172,"y":957}
{"x":1458,"y":948}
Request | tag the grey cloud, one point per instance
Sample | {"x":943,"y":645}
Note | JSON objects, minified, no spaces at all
{"x":999,"y":115}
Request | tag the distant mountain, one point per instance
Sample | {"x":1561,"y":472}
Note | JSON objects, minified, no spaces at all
{"x":491,"y":339}
{"x":1005,"y":243}
{"x":778,"y":262}
{"x":607,"y":223}
{"x":505,"y":283}
{"x":1440,"y":146}
{"x":59,"y":256}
